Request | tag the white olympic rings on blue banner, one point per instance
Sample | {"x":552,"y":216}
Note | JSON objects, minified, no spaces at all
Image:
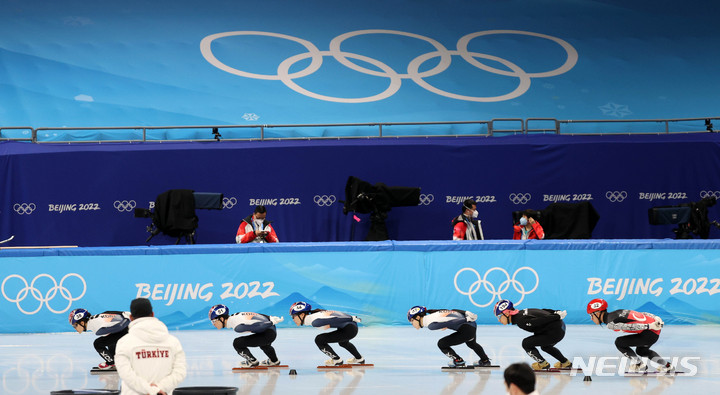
{"x":496,"y":292}
{"x":386,"y":71}
{"x":30,"y":289}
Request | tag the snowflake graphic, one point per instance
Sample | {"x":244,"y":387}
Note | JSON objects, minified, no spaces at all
{"x":615,"y":110}
{"x":248,"y":116}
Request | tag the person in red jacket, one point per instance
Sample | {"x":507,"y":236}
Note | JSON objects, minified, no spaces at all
{"x":466,"y":226}
{"x":644,"y":329}
{"x":256,"y":228}
{"x":528,"y":227}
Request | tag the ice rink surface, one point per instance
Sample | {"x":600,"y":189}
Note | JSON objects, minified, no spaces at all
{"x":406,"y":361}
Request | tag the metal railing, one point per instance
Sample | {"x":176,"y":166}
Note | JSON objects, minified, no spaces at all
{"x":494,"y":127}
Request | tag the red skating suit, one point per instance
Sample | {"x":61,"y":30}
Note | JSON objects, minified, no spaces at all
{"x":108,"y":322}
{"x":630,"y":321}
{"x":249,"y":322}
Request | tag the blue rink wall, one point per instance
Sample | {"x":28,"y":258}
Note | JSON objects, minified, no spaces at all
{"x":380,"y":281}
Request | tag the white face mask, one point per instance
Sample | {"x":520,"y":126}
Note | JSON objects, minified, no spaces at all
{"x":258,"y":224}
{"x":523,"y":221}
{"x":475,"y":214}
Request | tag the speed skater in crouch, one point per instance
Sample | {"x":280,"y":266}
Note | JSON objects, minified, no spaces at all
{"x":645,"y":331}
{"x":345,"y":325}
{"x":262,"y":333}
{"x":109,"y":326}
{"x":547,"y":327}
{"x":460,"y":321}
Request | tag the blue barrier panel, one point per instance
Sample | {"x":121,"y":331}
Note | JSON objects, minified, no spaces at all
{"x":85,"y":195}
{"x":677,"y":280}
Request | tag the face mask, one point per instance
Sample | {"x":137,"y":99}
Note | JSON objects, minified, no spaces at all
{"x":523,"y":221}
{"x":475,"y":214}
{"x":258,"y":224}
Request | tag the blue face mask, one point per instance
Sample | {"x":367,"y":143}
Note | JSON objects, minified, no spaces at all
{"x":523,"y":221}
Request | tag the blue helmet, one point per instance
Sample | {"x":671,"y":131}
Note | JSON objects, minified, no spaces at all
{"x":218,"y":310}
{"x":299,"y":307}
{"x":415,"y":311}
{"x":78,"y":315}
{"x":502,"y":305}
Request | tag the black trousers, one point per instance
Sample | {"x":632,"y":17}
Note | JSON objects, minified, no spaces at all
{"x":263,"y":340}
{"x":546,"y":340}
{"x":342,"y":337}
{"x":105,"y":345}
{"x":642,"y":342}
{"x":465,"y":334}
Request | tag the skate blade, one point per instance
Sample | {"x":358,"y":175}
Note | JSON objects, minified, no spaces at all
{"x":548,"y":370}
{"x":255,"y":368}
{"x":361,"y":365}
{"x":458,"y":368}
{"x":344,"y":366}
{"x":487,"y":367}
{"x":103,"y":371}
{"x":277,"y":367}
{"x":651,"y":373}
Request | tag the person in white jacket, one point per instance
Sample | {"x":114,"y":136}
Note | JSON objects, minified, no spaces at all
{"x":148,"y":359}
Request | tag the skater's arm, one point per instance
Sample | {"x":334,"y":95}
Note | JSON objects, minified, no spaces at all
{"x":624,"y":324}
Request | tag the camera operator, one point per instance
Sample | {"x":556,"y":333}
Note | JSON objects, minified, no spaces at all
{"x":256,"y":228}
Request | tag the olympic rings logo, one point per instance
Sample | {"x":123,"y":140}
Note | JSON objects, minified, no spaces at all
{"x":324,"y":200}
{"x":425,"y":200}
{"x":383,"y":70}
{"x":31,"y":289}
{"x":705,"y":194}
{"x":229,"y":203}
{"x":24,"y":208}
{"x":496,"y":292}
{"x":616,"y":196}
{"x":124,"y":205}
{"x":520,"y":198}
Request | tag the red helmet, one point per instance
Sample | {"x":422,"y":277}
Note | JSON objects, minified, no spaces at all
{"x":597,"y":305}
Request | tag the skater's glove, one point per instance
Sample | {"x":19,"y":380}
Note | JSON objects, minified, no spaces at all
{"x":275,"y":320}
{"x":470,"y":317}
{"x":356,"y":319}
{"x":657,"y":325}
{"x":561,"y":313}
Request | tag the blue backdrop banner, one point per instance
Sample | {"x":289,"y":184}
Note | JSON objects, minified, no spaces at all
{"x":85,"y":194}
{"x":678,"y":281}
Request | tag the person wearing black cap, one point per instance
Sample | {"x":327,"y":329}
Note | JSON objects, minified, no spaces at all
{"x":148,"y":359}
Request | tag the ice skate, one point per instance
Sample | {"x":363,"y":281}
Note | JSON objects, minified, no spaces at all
{"x":483,"y":364}
{"x":637,"y":368}
{"x":457,"y":363}
{"x":106,"y":366}
{"x":667,"y":368}
{"x":541,"y":365}
{"x":249,"y":364}
{"x":355,"y":361}
{"x":334,"y":362}
{"x":563,"y":365}
{"x":269,"y":363}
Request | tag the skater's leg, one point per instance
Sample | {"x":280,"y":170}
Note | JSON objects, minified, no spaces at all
{"x":648,"y":338}
{"x":470,"y":332}
{"x":323,"y":341}
{"x":624,"y":344}
{"x":445,"y":344}
{"x":347,"y":333}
